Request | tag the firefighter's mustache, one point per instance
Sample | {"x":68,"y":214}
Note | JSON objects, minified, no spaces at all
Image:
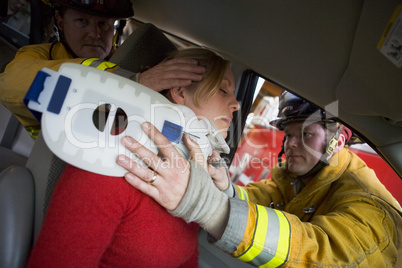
{"x":96,"y":42}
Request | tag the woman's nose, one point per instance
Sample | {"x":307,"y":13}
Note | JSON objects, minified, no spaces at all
{"x":234,"y":104}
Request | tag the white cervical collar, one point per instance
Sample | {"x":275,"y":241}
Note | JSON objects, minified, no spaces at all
{"x":68,"y":100}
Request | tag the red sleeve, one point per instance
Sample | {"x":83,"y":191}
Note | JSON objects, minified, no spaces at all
{"x":84,"y":211}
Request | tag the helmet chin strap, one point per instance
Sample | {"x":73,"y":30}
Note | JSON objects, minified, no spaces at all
{"x":118,"y":33}
{"x":60,"y":37}
{"x":331,"y":144}
{"x":281,"y":152}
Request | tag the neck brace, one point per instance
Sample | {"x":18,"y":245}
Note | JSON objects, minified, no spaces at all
{"x":84,"y":113}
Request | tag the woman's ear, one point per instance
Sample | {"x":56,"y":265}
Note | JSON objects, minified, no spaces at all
{"x":177,"y":94}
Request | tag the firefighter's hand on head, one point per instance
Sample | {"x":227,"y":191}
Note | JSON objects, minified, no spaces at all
{"x":176,"y":72}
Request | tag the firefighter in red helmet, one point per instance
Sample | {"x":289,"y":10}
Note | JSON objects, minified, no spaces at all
{"x":94,"y":34}
{"x":105,"y":8}
{"x":86,"y":33}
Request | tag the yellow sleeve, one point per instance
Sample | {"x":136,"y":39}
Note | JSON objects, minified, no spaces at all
{"x":357,"y":232}
{"x":262,"y":193}
{"x":109,"y":67}
{"x":19,"y":74}
{"x":256,"y":234}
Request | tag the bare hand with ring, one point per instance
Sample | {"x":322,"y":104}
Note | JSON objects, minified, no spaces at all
{"x":152,"y":180}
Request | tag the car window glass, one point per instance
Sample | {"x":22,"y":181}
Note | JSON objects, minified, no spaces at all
{"x":16,"y":23}
{"x":261,"y":143}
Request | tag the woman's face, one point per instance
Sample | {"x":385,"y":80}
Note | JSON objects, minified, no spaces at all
{"x":220,"y":107}
{"x":88,"y":36}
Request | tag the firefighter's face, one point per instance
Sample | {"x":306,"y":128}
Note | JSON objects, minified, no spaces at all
{"x":88,"y":36}
{"x":304,"y":145}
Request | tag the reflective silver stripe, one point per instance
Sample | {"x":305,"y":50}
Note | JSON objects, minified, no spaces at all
{"x":88,"y":62}
{"x":270,"y":243}
{"x":99,"y":64}
{"x":104,"y":65}
{"x":95,"y":63}
{"x":236,"y":227}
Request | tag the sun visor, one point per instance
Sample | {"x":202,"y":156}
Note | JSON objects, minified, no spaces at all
{"x":85,"y":112}
{"x":372,"y":83}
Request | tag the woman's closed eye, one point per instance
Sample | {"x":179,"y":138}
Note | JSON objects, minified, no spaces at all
{"x":223,"y":91}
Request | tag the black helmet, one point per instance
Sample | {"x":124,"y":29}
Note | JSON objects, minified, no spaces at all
{"x":293,"y":108}
{"x":105,"y":8}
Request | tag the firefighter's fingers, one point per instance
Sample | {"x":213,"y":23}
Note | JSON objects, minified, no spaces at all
{"x":195,"y":151}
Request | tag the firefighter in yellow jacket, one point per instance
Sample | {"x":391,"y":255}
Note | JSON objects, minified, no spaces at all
{"x":323,"y":206}
{"x":86,"y":32}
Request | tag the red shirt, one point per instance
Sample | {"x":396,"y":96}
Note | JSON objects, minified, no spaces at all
{"x":101,"y":221}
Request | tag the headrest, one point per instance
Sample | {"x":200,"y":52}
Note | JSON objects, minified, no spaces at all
{"x":144,"y":48}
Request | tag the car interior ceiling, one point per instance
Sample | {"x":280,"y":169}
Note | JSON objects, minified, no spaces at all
{"x":343,"y":33}
{"x":331,"y":57}
{"x":277,"y":42}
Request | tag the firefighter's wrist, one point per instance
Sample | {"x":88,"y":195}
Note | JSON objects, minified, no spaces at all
{"x":230,"y":192}
{"x":203,"y":202}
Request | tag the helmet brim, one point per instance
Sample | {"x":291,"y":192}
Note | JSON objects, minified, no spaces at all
{"x":118,"y":14}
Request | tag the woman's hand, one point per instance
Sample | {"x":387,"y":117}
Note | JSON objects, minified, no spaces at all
{"x":172,"y":73}
{"x":166,"y":177}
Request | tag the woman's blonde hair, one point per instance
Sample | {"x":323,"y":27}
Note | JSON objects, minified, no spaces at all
{"x":215,"y":69}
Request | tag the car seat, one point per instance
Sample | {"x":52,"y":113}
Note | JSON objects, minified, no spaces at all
{"x":9,"y":156}
{"x":145,"y":47}
{"x":25,"y":191}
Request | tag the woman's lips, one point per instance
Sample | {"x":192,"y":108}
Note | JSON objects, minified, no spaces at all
{"x":227,"y":120}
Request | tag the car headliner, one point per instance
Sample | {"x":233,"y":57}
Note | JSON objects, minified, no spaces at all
{"x":325,"y":51}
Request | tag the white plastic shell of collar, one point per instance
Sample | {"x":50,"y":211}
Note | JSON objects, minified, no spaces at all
{"x":84,"y":113}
